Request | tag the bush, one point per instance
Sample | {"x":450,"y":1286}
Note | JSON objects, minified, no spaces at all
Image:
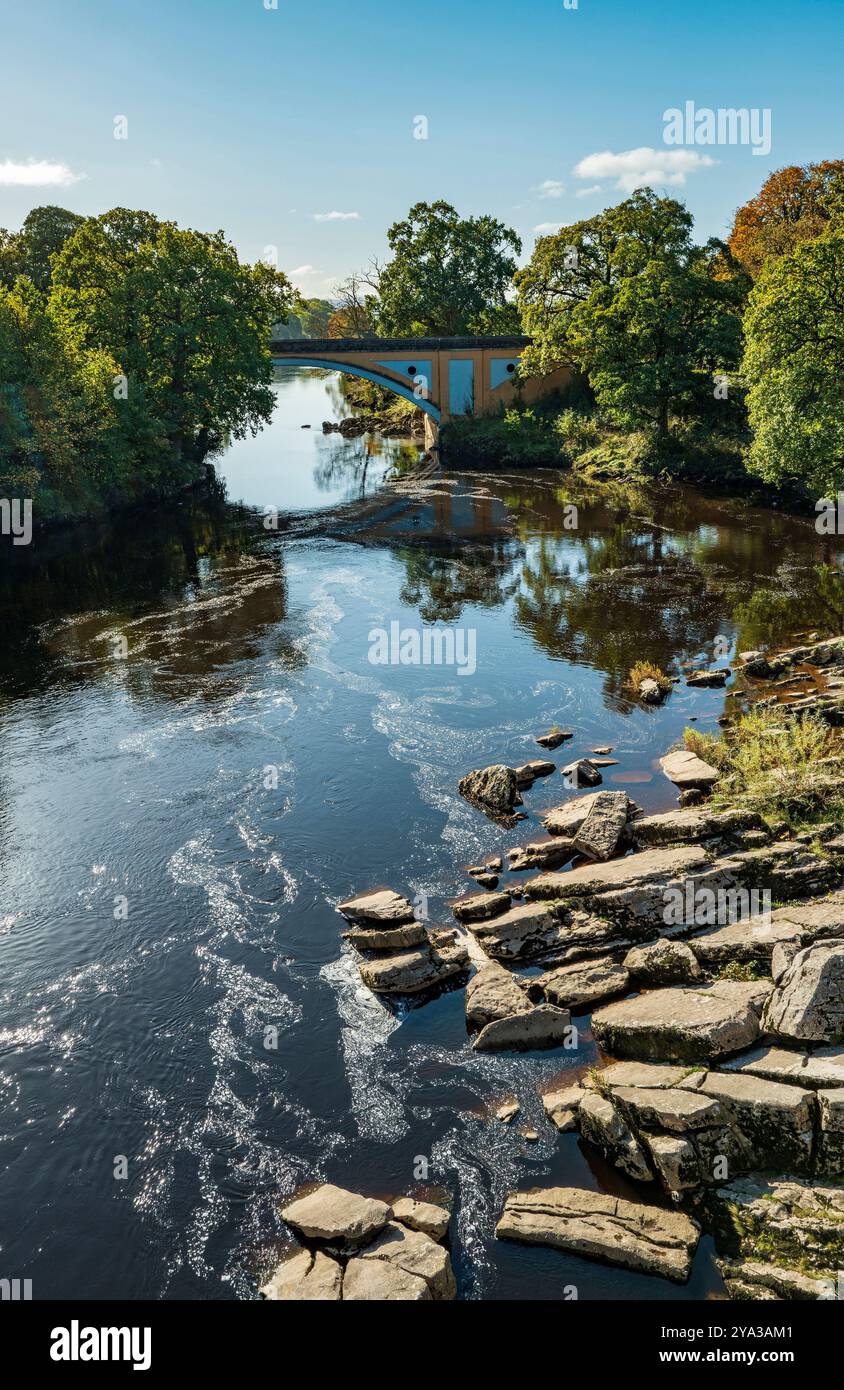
{"x":512,"y":439}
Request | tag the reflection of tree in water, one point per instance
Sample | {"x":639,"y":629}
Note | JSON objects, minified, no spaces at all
{"x":356,"y":463}
{"x":192,"y":586}
{"x":810,"y":598}
{"x":441,"y":583}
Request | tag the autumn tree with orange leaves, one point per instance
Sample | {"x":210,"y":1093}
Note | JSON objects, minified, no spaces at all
{"x":792,"y":206}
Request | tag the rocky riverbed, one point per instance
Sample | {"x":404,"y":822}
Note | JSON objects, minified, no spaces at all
{"x":719,"y":1017}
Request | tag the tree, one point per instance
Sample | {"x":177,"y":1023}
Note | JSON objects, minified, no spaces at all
{"x":355,"y":312}
{"x":30,"y":251}
{"x":188,"y":324}
{"x":794,"y":366}
{"x":628,"y":299}
{"x":791,"y":207}
{"x":446,"y":272}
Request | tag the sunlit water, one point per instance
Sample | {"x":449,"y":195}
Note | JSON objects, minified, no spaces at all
{"x":176,"y":827}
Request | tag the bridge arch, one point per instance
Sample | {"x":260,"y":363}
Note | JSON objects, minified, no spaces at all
{"x":400,"y":388}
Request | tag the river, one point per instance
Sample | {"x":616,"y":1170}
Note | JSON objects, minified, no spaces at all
{"x":199,"y":760}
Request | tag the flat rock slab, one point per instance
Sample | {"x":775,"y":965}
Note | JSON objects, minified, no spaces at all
{"x":657,"y":866}
{"x":493,"y":993}
{"x":602,"y":1227}
{"x":554,"y":738}
{"x":309,"y":1276}
{"x":662,"y":963}
{"x":692,"y":1024}
{"x":426,"y":1217}
{"x":584,"y":983}
{"x":693,"y":824}
{"x":753,"y":939}
{"x":790,"y":1220}
{"x":567,"y":819}
{"x":536,"y":1028}
{"x":686,"y":769}
{"x":812,"y":1070}
{"x":334,"y":1214}
{"x":541,"y":854}
{"x":671,"y":1108}
{"x":524,"y":931}
{"x":561,"y":1106}
{"x":776,"y":1121}
{"x":752,"y":1279}
{"x":479,"y":906}
{"x":808,"y":1002}
{"x":379,"y":1281}
{"x":415,"y":970}
{"x":708,"y":678}
{"x":650,"y":1075}
{"x":380,"y":905}
{"x":601,"y":831}
{"x":416,"y":1254}
{"x":603,"y":1124}
{"x":389,"y":939}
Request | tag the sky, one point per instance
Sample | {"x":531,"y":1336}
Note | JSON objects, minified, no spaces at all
{"x":293,"y":126}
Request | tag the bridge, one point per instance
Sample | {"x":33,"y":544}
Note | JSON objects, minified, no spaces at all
{"x":444,"y":377}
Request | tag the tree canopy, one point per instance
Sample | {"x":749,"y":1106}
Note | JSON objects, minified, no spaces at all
{"x":792,"y":206}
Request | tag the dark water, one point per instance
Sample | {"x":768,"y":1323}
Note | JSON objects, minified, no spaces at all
{"x":143,"y":781}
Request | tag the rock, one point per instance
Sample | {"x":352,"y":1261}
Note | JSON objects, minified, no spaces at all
{"x":380,"y":906}
{"x":527,"y":774}
{"x":654,"y":868}
{"x":507,"y":1111}
{"x":561,"y":1106}
{"x":584,"y":983}
{"x":409,"y":972}
{"x":675,"y":1161}
{"x":600,"y":832}
{"x":682,"y":1024}
{"x":692,"y":797}
{"x":308,"y":1276}
{"x":416,"y":1254}
{"x":334,"y":1214}
{"x":481,"y":906}
{"x":393,"y":939}
{"x":541,"y":1026}
{"x":830,"y":1157}
{"x":813,"y":1070}
{"x":669,"y":1107}
{"x":607,"y":748}
{"x":604,"y":1126}
{"x":431,"y":1220}
{"x":489,"y":881}
{"x":527,"y":930}
{"x":567,"y":819}
{"x":541,"y":854}
{"x":529,"y":1134}
{"x":493,"y":993}
{"x":603,"y":1227}
{"x":662,"y":963}
{"x":650,"y":1076}
{"x":783,"y":1220}
{"x":651,"y":691}
{"x":755,"y":1280}
{"x":709,"y":678}
{"x":686,"y":769}
{"x":554,"y":738}
{"x":808,"y":1003}
{"x":775,"y":1122}
{"x":781,"y":957}
{"x":379,"y":1281}
{"x":581,"y":773}
{"x":691,"y":825}
{"x":493,"y":789}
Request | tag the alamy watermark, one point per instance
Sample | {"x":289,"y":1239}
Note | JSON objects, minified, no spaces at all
{"x":728,"y":125}
{"x":690,"y":904}
{"x":16,"y":519}
{"x":426,"y":646}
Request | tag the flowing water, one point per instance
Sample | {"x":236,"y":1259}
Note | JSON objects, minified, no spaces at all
{"x":199,"y":760}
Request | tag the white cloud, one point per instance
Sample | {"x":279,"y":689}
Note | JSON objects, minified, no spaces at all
{"x":302,"y":270}
{"x":550,"y":188}
{"x":588,"y":192}
{"x":36,"y":173}
{"x":336,"y":216}
{"x":633,"y":169}
{"x":547,"y":228}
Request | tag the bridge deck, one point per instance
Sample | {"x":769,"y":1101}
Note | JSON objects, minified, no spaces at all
{"x":297,"y":347}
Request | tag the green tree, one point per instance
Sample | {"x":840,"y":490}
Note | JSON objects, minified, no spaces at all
{"x":188,"y":324}
{"x":794,"y":366}
{"x":29,"y":252}
{"x":446,"y":272}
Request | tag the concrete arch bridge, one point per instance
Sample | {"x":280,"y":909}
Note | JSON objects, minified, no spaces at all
{"x":444,"y":377}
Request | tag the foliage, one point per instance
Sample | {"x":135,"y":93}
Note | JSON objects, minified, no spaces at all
{"x":793,"y":206}
{"x":310,"y":319}
{"x":29,"y":252}
{"x":794,"y":366}
{"x":513,"y":438}
{"x":447,"y":273}
{"x":647,"y":670}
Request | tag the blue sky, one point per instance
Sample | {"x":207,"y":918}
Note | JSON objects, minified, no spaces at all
{"x":262,"y":121}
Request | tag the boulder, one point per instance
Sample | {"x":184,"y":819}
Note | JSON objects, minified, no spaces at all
{"x":682,"y":1024}
{"x":567,"y":819}
{"x":537,"y":1027}
{"x":334,"y":1214}
{"x":600,"y":832}
{"x":662,"y":963}
{"x":651,"y":691}
{"x":581,"y":773}
{"x":524,"y":931}
{"x":808,"y":1002}
{"x":410,"y":972}
{"x":554,"y":738}
{"x":599,"y":1226}
{"x":493,"y":789}
{"x":309,"y":1276}
{"x":686,"y":769}
{"x":775,"y":1122}
{"x":692,"y":825}
{"x":603,"y":1125}
{"x":414,"y":1253}
{"x":381,"y":1281}
{"x":708,"y":678}
{"x":480,"y":906}
{"x":426,"y":1217}
{"x":493,"y":993}
{"x":675,"y":1161}
{"x":541,"y":854}
{"x":584,"y":983}
{"x":379,"y":906}
{"x":561,"y":1106}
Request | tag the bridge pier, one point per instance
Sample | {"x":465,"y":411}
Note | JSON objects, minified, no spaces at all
{"x":432,"y":435}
